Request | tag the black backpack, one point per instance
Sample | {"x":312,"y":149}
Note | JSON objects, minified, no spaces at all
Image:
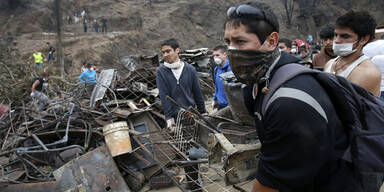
{"x":360,"y":112}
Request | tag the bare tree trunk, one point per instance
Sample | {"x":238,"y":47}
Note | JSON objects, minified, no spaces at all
{"x":289,"y":7}
{"x":60,"y":57}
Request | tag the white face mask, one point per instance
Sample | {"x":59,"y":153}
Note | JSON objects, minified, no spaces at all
{"x":231,"y":47}
{"x":218,"y":60}
{"x":293,"y":50}
{"x":173,"y":65}
{"x":343,"y":49}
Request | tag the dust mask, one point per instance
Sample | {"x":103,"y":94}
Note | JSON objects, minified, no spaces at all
{"x":231,"y":47}
{"x":343,"y":49}
{"x":218,"y":60}
{"x":173,"y":65}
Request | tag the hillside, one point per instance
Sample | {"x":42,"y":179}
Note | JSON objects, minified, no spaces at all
{"x":137,"y":27}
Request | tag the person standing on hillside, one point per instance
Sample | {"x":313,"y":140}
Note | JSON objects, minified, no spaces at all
{"x":327,"y":33}
{"x":89,"y":77}
{"x":85,"y":25}
{"x":83,"y":15}
{"x":104,"y":25}
{"x":352,"y":32}
{"x":220,"y":57}
{"x":96,"y":26}
{"x":76,"y":17}
{"x":51,"y":51}
{"x":69,"y":19}
{"x":38,"y":58}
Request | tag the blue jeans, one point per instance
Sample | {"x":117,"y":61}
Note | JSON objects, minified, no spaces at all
{"x":39,"y":65}
{"x":51,"y":57}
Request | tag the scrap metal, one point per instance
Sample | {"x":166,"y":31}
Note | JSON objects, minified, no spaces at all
{"x":64,"y":146}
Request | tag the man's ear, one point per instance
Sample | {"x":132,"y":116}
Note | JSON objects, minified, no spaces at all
{"x":271,"y":42}
{"x":364,"y":40}
{"x":177,"y":50}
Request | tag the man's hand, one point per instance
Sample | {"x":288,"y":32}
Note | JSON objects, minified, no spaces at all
{"x":170,"y":123}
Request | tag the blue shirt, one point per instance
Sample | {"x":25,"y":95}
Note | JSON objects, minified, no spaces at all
{"x":89,"y":76}
{"x":220,"y":96}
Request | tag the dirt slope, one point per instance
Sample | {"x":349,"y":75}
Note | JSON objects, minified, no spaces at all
{"x":137,"y":27}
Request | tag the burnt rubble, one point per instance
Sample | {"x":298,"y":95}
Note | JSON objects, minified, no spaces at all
{"x":113,"y":139}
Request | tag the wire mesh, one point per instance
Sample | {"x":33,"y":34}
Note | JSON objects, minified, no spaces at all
{"x":170,"y":149}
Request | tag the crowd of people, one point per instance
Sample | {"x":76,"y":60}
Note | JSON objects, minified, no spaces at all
{"x":303,"y":139}
{"x":87,"y":21}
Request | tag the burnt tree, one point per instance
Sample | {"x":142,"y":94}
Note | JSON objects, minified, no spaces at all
{"x":289,"y":7}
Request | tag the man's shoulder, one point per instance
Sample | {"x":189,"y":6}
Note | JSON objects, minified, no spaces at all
{"x":189,"y":67}
{"x":367,"y":65}
{"x":366,"y":69}
{"x":302,"y":94}
{"x":161,"y":68}
{"x":304,"y":83}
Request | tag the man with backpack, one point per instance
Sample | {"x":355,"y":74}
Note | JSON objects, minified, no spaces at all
{"x":302,"y":139}
{"x":352,"y":32}
{"x":222,"y":66}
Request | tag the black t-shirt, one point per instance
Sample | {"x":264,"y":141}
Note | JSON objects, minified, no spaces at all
{"x":51,"y":49}
{"x":301,"y":150}
{"x":39,"y":87}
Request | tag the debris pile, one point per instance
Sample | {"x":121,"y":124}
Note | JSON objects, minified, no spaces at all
{"x":113,"y":139}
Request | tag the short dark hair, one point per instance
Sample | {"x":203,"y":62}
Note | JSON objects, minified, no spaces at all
{"x":286,"y":41}
{"x":262,"y":28}
{"x":327,"y":32}
{"x":222,"y":48}
{"x":89,"y":65}
{"x":362,"y":23}
{"x":171,"y":42}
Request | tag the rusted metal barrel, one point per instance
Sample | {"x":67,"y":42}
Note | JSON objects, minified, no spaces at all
{"x":117,"y":138}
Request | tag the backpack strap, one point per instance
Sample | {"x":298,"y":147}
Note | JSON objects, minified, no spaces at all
{"x":282,"y":75}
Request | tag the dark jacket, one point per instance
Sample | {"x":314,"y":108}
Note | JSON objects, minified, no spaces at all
{"x":186,"y":92}
{"x":301,"y":150}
